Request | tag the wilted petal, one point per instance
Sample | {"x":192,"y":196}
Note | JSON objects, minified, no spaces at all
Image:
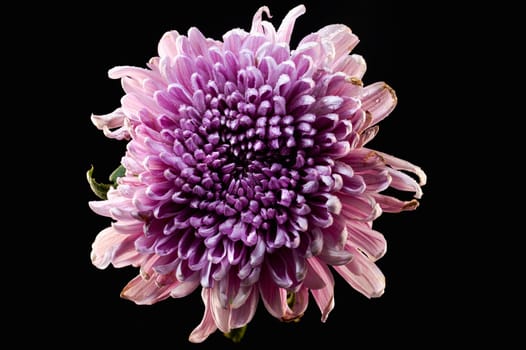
{"x":391,"y":204}
{"x":379,"y":99}
{"x":400,"y":164}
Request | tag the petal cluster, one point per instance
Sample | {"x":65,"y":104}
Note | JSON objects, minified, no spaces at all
{"x":247,"y":173}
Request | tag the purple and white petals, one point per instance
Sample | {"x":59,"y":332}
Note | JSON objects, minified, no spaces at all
{"x":246,"y":173}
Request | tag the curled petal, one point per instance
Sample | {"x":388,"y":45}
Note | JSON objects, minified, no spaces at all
{"x":257,"y":19}
{"x":186,"y":287}
{"x":115,"y":120}
{"x":379,"y":99}
{"x":285,"y":29}
{"x":207,"y":325}
{"x":391,"y":204}
{"x":400,"y":164}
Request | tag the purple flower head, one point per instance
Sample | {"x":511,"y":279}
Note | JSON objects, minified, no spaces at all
{"x":247,"y":174}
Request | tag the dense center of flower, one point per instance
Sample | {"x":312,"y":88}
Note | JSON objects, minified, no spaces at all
{"x":244,"y":181}
{"x":242,"y":158}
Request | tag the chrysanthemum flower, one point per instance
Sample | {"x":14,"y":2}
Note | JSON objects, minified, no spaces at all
{"x":247,"y":174}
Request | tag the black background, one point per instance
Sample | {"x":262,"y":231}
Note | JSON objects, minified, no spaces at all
{"x":400,"y":46}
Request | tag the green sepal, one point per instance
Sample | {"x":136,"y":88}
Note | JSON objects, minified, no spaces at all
{"x":100,"y":189}
{"x":119,"y":172}
{"x":291,"y":299}
{"x":236,"y":334}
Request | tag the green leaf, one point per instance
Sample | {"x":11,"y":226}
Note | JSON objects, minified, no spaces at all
{"x":98,"y":188}
{"x":119,"y":172}
{"x":236,"y":334}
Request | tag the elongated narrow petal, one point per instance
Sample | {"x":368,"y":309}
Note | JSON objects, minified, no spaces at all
{"x":324,"y":296}
{"x":274,"y":298}
{"x":285,"y":29}
{"x":400,"y":164}
{"x":242,"y":315}
{"x":207,"y":325}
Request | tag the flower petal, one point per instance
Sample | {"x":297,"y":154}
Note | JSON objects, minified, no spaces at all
{"x":257,"y":19}
{"x":287,"y":25}
{"x":394,"y":205}
{"x":353,"y":65}
{"x":301,"y":301}
{"x":167,"y":44}
{"x":369,"y":241}
{"x":246,"y":311}
{"x":274,"y":298}
{"x":379,"y":99}
{"x":400,"y":164}
{"x":113,"y":247}
{"x":207,"y":325}
{"x":182,"y":289}
{"x":104,"y":246}
{"x":363,"y":275}
{"x":341,"y":37}
{"x":144,"y":291}
{"x":324,"y":296}
{"x":114,"y":120}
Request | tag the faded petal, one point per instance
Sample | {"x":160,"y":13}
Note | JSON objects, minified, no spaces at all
{"x":400,"y":164}
{"x":379,"y":99}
